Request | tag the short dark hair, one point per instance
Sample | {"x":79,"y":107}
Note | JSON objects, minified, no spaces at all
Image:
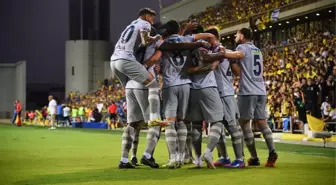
{"x":172,"y":27}
{"x":199,"y":29}
{"x":145,"y":11}
{"x":247,"y":32}
{"x":214,"y":31}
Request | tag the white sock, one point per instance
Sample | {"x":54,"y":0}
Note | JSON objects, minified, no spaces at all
{"x":147,"y":155}
{"x":173,"y":157}
{"x":124,"y":160}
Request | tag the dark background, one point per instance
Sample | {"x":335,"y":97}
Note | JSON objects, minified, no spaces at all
{"x":36,"y":31}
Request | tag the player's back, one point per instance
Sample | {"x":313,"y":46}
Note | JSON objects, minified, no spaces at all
{"x":224,"y":78}
{"x":124,"y":49}
{"x":204,"y":79}
{"x":251,"y":79}
{"x":173,"y":63}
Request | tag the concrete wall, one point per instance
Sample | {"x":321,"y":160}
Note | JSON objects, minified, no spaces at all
{"x":182,"y":10}
{"x":12,"y":87}
{"x":87,"y":59}
{"x":107,"y":70}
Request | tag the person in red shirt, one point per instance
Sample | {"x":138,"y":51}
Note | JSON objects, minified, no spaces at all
{"x":112,"y":109}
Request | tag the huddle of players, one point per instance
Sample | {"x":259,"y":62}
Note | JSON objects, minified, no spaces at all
{"x":197,"y":86}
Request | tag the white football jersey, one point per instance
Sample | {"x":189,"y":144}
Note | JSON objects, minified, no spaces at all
{"x":124,"y":49}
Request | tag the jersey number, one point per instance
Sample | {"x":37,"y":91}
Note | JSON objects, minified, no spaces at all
{"x":257,"y":65}
{"x":178,"y":59}
{"x":126,"y":36}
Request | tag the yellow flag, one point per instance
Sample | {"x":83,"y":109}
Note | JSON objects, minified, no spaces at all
{"x":315,"y":124}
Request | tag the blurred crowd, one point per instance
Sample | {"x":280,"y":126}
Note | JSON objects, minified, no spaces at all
{"x":233,"y":10}
{"x":91,"y":107}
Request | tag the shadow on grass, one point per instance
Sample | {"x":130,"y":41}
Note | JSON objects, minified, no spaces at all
{"x":115,"y":174}
{"x":144,"y":173}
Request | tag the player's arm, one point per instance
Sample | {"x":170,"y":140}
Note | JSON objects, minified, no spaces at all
{"x":235,"y":55}
{"x":211,"y":57}
{"x":146,"y":39}
{"x":188,"y":27}
{"x":205,"y":36}
{"x":235,"y":68}
{"x":165,"y":46}
{"x":153,"y":59}
{"x":201,"y":69}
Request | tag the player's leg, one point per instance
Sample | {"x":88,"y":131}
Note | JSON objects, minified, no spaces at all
{"x":246,"y":105}
{"x":152,"y":134}
{"x":231,"y":125}
{"x":170,"y":103}
{"x":135,"y":71}
{"x":196,"y":117}
{"x":188,"y":157}
{"x":116,"y":73}
{"x":260,"y":115}
{"x":135,"y":144}
{"x":197,"y":142}
{"x":221,"y":146}
{"x":223,"y":155}
{"x":130,"y":129}
{"x":182,"y":131}
{"x":212,"y":110}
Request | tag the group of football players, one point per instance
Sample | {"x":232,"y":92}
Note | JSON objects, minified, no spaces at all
{"x":197,"y":73}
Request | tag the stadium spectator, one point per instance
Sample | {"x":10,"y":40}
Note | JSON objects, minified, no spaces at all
{"x":311,"y":92}
{"x":81,"y":112}
{"x":96,"y":115}
{"x":113,"y":114}
{"x":325,"y":109}
{"x":15,"y":112}
{"x":52,"y":111}
{"x":74,"y":113}
{"x":59,"y":116}
{"x":66,"y":114}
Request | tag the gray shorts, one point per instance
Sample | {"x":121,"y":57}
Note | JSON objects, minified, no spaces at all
{"x":126,"y":69}
{"x":137,"y":105}
{"x":230,"y":109}
{"x":252,"y":107}
{"x":205,"y":105}
{"x":175,"y":101}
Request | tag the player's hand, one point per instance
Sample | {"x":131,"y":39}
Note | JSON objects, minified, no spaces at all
{"x":205,"y":45}
{"x":157,"y":68}
{"x":158,"y":37}
{"x":222,"y":51}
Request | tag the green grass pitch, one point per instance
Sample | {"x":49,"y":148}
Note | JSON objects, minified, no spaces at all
{"x":38,"y":156}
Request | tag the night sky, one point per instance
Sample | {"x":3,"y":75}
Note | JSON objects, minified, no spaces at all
{"x":36,"y":31}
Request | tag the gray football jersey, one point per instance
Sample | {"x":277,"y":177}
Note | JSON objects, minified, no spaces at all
{"x":251,"y":79}
{"x":201,"y":80}
{"x":224,"y":78}
{"x":173,"y":63}
{"x":131,"y":84}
